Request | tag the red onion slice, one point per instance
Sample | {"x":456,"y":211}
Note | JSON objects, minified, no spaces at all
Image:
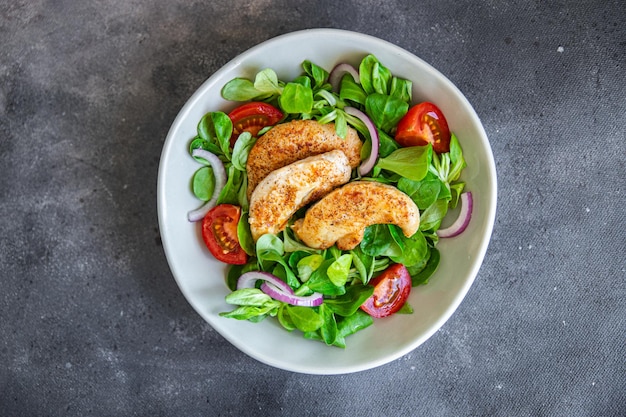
{"x":459,"y":225}
{"x":248,"y":280}
{"x":220,"y":180}
{"x":334,"y":78}
{"x":368,"y":164}
{"x":312,"y":300}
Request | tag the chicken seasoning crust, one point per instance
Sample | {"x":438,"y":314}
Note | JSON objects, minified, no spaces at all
{"x":342,"y":216}
{"x":287,"y":189}
{"x":295,"y":140}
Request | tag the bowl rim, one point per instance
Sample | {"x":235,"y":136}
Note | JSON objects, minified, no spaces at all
{"x":479,"y":254}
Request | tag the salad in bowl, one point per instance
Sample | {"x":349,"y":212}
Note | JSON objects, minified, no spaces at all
{"x":334,"y":204}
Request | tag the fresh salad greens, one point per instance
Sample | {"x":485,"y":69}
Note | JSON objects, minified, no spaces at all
{"x":343,"y":278}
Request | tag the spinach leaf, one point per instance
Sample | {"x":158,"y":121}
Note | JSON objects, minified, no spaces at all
{"x":236,"y":271}
{"x":269,"y":252}
{"x":385,"y":111}
{"x":303,"y":80}
{"x":245,"y":235}
{"x":284,"y":319}
{"x":200,"y":143}
{"x":241,"y":150}
{"x":414,"y":248}
{"x":341,"y":125}
{"x":376,"y":240}
{"x":320,"y":282}
{"x":296,"y":98}
{"x":401,"y":89}
{"x":423,"y":193}
{"x":351,"y":90}
{"x":430,"y":219}
{"x":421,"y":276}
{"x":230,"y":192}
{"x":328,"y":330}
{"x":216,"y":127}
{"x":307,"y":265}
{"x":241,"y":89}
{"x":347,"y":304}
{"x":456,"y":159}
{"x":338,"y":271}
{"x":363,"y":263}
{"x":411,"y":162}
{"x":292,"y":245}
{"x":375,"y":77}
{"x":203,"y":183}
{"x":248,"y":297}
{"x":253,"y":304}
{"x":317,"y":73}
{"x":350,"y":325}
{"x":381,"y":78}
{"x":305,"y":319}
{"x":387,"y":144}
{"x":266,"y":81}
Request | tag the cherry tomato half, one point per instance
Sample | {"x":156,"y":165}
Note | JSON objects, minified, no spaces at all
{"x":219,"y":232}
{"x":252,"y":117}
{"x":391,"y":290}
{"x":424,"y":123}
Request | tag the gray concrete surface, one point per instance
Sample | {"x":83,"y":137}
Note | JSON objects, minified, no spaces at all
{"x":91,"y":320}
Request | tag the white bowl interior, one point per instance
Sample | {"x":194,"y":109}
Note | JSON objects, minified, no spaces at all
{"x":202,"y":279}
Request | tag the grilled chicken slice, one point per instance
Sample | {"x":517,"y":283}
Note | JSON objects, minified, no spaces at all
{"x":289,"y":142}
{"x":291,"y":187}
{"x":343,"y":215}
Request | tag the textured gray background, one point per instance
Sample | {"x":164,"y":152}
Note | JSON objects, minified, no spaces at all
{"x":91,"y":320}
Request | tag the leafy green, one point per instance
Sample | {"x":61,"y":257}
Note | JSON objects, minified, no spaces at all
{"x":385,"y":111}
{"x":420,"y":276}
{"x":203,"y":183}
{"x":318,"y":74}
{"x":240,"y":89}
{"x":338,"y":271}
{"x":328,"y":330}
{"x":216,"y":128}
{"x":244,"y":235}
{"x":412,"y":162}
{"x":430,"y":219}
{"x":350,"y":325}
{"x":296,"y":98}
{"x":305,"y":319}
{"x":423,"y":193}
{"x":414,"y":249}
{"x":242,"y":147}
{"x":307,"y":265}
{"x":347,"y":304}
{"x":320,"y":281}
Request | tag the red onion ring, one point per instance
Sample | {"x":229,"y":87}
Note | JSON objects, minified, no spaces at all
{"x":368,"y":164}
{"x":220,"y":181}
{"x":459,"y":225}
{"x":248,"y":280}
{"x":278,"y":289}
{"x":334,"y":78}
{"x":312,"y":300}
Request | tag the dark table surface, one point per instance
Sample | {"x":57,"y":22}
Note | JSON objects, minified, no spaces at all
{"x":91,"y":319}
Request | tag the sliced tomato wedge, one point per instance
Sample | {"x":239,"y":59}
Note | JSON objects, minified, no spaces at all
{"x":391,"y":290}
{"x":219,"y":232}
{"x":424,"y":123}
{"x":252,"y":117}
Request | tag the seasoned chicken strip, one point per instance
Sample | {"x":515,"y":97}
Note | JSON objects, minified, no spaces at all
{"x":295,"y":140}
{"x":343,"y":215}
{"x":291,"y":187}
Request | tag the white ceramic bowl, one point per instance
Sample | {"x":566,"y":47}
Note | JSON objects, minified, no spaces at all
{"x":202,"y":279}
